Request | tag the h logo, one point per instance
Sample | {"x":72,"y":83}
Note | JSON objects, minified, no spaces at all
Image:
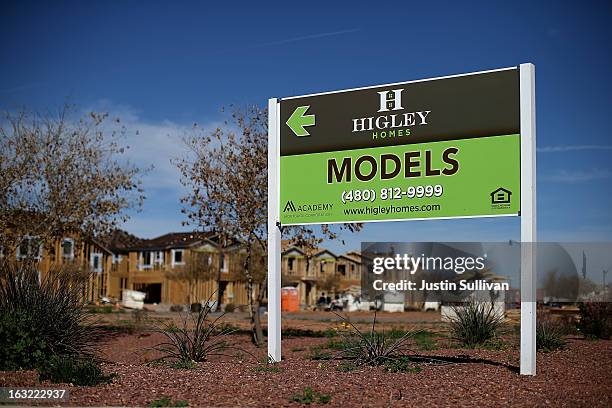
{"x":390,"y":100}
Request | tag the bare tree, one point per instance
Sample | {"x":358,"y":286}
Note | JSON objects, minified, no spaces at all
{"x":226,"y":173}
{"x":329,"y":283}
{"x":199,"y":267}
{"x":255,"y":270}
{"x":62,"y":175}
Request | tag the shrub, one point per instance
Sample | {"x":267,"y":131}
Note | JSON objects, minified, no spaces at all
{"x":268,"y":368}
{"x":317,"y":353}
{"x":139,"y":319}
{"x":396,"y":333}
{"x":167,"y":402}
{"x":230,"y":308}
{"x":100,"y":309}
{"x":120,"y":327}
{"x":596,"y":319}
{"x":345,"y":368}
{"x":373,"y":348}
{"x":401,"y":365}
{"x":22,"y":344}
{"x":334,"y":343}
{"x":475,"y":323}
{"x":228,"y":327}
{"x":268,"y":365}
{"x":549,"y":335}
{"x":42,"y":319}
{"x":310,"y":396}
{"x":195,"y":339}
{"x":176,"y":308}
{"x":495,"y":344}
{"x":73,"y":370}
{"x":183,"y":365}
{"x":295,"y":332}
{"x":424,"y":340}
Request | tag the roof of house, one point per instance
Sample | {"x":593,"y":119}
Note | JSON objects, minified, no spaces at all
{"x":122,"y":241}
{"x":291,"y":249}
{"x":176,"y":240}
{"x":102,"y":246}
{"x":351,"y":258}
{"x":288,"y":246}
{"x":321,"y":251}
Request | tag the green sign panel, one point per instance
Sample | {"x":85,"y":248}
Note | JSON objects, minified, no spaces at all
{"x":440,"y":148}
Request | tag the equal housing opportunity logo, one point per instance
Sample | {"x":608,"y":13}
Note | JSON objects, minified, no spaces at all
{"x":500,"y":198}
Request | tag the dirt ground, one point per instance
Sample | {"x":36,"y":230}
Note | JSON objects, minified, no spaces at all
{"x":578,"y":376}
{"x":304,"y":320}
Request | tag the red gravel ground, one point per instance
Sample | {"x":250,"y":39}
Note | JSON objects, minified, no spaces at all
{"x":579,"y":376}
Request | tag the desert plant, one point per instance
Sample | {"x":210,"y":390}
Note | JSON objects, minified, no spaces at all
{"x":335,"y":343}
{"x":317,"y":353}
{"x":475,"y":323}
{"x":310,"y":396}
{"x":84,"y":371}
{"x":196,"y":339}
{"x":100,"y":309}
{"x":595,"y":319}
{"x":424,"y":340}
{"x":139,"y":319}
{"x":168,"y":402}
{"x":183,"y":364}
{"x":549,"y":335}
{"x":23,"y":346}
{"x":176,"y":308}
{"x":268,"y":365}
{"x":373,"y":348}
{"x":401,"y":365}
{"x":346,"y":367}
{"x":495,"y":343}
{"x":296,"y":332}
{"x":42,"y":319}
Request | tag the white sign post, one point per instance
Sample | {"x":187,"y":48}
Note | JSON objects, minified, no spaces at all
{"x":528,"y":220}
{"x":527,"y":213}
{"x":274,"y":233}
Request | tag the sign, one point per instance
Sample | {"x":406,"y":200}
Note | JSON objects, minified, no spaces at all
{"x":459,"y":146}
{"x":439,"y":148}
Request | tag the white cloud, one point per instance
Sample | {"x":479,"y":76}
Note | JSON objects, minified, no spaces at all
{"x":146,"y":225}
{"x":571,"y":148}
{"x":578,"y":176}
{"x":308,"y":37}
{"x":154,"y":144}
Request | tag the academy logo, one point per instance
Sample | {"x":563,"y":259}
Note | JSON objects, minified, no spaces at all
{"x":289,"y":206}
{"x":307,"y":208}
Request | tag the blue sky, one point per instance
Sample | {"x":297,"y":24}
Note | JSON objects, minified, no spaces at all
{"x":162,"y":66}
